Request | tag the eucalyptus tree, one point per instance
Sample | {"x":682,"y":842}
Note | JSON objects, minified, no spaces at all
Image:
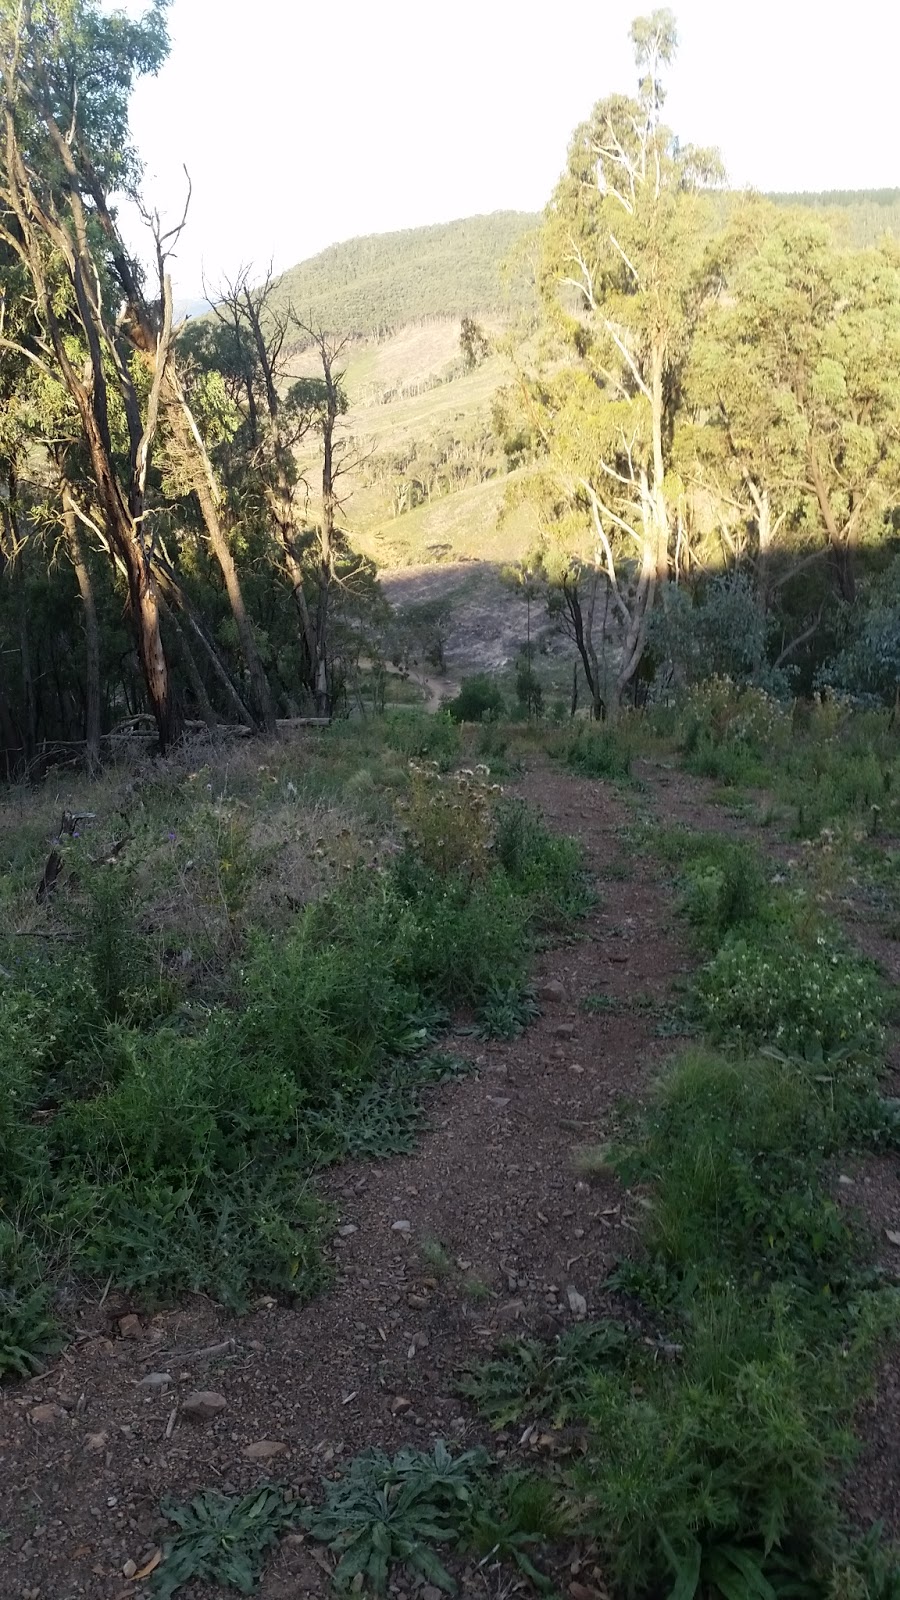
{"x":797,"y":372}
{"x":624,"y":271}
{"x":67,"y":73}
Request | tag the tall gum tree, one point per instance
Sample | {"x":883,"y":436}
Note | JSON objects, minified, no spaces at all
{"x":67,"y":72}
{"x":624,"y":270}
{"x":797,"y":369}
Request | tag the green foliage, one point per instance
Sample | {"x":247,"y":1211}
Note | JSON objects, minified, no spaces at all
{"x":479,"y":700}
{"x":597,"y":753}
{"x":385,"y":280}
{"x":723,"y":884}
{"x":388,"y":1512}
{"x":513,"y":1517}
{"x":535,"y":1379}
{"x":818,"y":1003}
{"x":544,"y":866}
{"x":867,"y":665}
{"x":28,"y":1330}
{"x":506,"y":1011}
{"x":720,"y":631}
{"x":221,"y":1538}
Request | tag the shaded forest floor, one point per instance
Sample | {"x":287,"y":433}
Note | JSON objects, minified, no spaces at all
{"x":488,"y":1229}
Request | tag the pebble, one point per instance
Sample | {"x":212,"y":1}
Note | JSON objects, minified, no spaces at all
{"x":46,"y":1416}
{"x":129,"y":1569}
{"x":130,"y":1326}
{"x":155,"y":1380}
{"x":400,"y":1403}
{"x":95,"y":1443}
{"x":401,"y":1227}
{"x":577,"y":1302}
{"x":203,"y":1405}
{"x":564,"y":1030}
{"x":264,"y":1449}
{"x":552,"y":990}
{"x":347,"y":1230}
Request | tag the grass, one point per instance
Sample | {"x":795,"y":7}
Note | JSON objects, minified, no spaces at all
{"x":163,"y":1116}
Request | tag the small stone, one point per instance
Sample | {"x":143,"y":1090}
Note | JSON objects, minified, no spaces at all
{"x":618,"y":956}
{"x":130,"y":1326}
{"x":401,"y":1227}
{"x":431,"y":1593}
{"x":417,"y":1302}
{"x":847,"y":1182}
{"x":95,"y":1443}
{"x":347,"y":1231}
{"x":155,"y":1380}
{"x":577,"y":1303}
{"x":552,"y":990}
{"x":564,"y":1030}
{"x":264,"y":1449}
{"x":46,"y":1416}
{"x":203,"y":1405}
{"x":511,"y":1311}
{"x":400,"y":1403}
{"x":129,"y":1569}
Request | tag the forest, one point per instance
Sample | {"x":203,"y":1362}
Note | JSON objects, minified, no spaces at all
{"x":449,"y":879}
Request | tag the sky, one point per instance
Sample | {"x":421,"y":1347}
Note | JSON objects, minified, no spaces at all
{"x":303,"y":124}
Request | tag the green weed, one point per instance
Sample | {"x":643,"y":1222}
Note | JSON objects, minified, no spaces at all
{"x":221,"y":1538}
{"x":597,"y":753}
{"x":387,"y":1513}
{"x":535,"y":1379}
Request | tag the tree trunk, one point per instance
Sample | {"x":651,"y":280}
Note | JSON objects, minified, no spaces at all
{"x":205,"y":488}
{"x":584,"y":644}
{"x":175,"y":595}
{"x":91,"y":633}
{"x":204,"y":704}
{"x":840,"y":540}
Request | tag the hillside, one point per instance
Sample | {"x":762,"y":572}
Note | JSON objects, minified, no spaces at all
{"x":862,"y":216}
{"x":402,"y":295}
{"x":387,"y":280}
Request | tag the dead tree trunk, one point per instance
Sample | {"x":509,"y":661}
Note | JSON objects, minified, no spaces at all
{"x":82,"y":572}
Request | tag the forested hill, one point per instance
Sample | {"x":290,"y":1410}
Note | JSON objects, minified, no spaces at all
{"x":386,"y":280}
{"x":864,"y":215}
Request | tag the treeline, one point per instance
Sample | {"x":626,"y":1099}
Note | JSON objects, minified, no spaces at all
{"x":709,"y":395}
{"x":711,"y":415}
{"x":862,"y":216}
{"x":160,"y":553}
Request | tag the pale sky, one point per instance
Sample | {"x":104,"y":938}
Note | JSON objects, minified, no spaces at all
{"x":302,"y":124}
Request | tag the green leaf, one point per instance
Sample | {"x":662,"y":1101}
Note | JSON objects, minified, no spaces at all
{"x":686,"y":1568}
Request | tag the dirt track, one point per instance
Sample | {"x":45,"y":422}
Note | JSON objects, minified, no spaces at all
{"x":499,"y":1228}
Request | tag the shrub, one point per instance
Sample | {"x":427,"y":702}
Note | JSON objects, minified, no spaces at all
{"x":597,"y":753}
{"x":719,"y":632}
{"x":449,"y":820}
{"x":479,"y":700}
{"x":815,"y":1003}
{"x":724,"y":888}
{"x":542,"y":865}
{"x":729,"y":728}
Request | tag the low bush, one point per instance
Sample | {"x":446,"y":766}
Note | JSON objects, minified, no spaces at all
{"x":817,"y":1003}
{"x":597,"y":752}
{"x":480,"y":699}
